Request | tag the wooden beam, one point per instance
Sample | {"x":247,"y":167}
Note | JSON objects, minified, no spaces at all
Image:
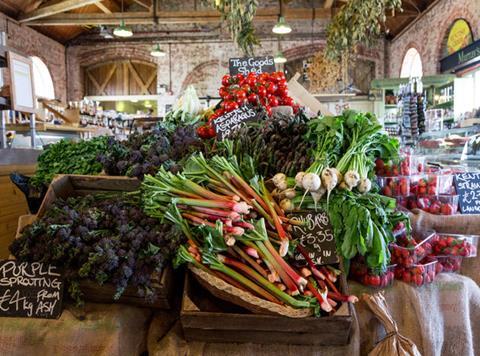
{"x":94,"y":81}
{"x":107,"y":79}
{"x":143,"y":4}
{"x":104,"y":8}
{"x":327,"y":4}
{"x":54,"y":7}
{"x":172,"y":17}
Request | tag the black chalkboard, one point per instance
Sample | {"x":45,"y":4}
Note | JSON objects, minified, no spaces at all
{"x":228,"y":123}
{"x":468,"y":189}
{"x":316,"y":236}
{"x":251,"y":64}
{"x":32,"y":290}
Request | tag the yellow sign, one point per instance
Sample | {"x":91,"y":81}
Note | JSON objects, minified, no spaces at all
{"x":459,"y":36}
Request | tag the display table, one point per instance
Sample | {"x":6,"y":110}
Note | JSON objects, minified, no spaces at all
{"x":441,"y":318}
{"x":98,"y":329}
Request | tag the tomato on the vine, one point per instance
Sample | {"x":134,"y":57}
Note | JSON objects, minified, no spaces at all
{"x":271,"y":87}
{"x":239,"y":77}
{"x":253,"y":98}
{"x":230,"y":106}
{"x":202,"y":131}
{"x":273,"y":101}
{"x":222,"y":92}
{"x":282,"y":92}
{"x":245,"y":87}
{"x":268,"y":109}
{"x":241,"y":102}
{"x":241,"y":94}
{"x":287,"y":101}
{"x":262,"y":91}
{"x":226,"y":80}
{"x":219,"y":112}
{"x":211,"y":132}
{"x":251,"y":81}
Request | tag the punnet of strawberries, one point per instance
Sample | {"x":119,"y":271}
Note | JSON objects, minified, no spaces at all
{"x":455,"y":245}
{"x":264,"y":90}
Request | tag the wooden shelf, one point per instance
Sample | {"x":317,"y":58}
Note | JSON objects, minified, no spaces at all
{"x":48,"y":127}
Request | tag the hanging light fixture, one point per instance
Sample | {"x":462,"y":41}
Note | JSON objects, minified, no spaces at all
{"x":279,"y":57}
{"x":157,"y":51}
{"x":123,"y":30}
{"x":281,"y":27}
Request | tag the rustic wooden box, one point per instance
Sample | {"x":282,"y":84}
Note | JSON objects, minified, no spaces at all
{"x":209,"y":319}
{"x":64,"y":186}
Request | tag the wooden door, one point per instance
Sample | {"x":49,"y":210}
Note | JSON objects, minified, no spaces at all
{"x":128,"y":77}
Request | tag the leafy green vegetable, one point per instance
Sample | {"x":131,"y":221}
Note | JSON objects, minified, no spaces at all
{"x":68,"y":157}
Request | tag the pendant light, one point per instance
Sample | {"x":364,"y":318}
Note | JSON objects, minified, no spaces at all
{"x":281,"y":27}
{"x":279,"y":57}
{"x":157,"y":51}
{"x":123,"y":30}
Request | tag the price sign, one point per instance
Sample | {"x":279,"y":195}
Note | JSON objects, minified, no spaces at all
{"x":228,"y":123}
{"x":316,"y":236}
{"x":251,"y":65}
{"x":468,"y":189}
{"x":32,"y":290}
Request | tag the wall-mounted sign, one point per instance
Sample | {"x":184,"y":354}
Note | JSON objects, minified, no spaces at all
{"x":21,"y":77}
{"x":459,"y":36}
{"x":251,"y":65}
{"x":467,"y":56}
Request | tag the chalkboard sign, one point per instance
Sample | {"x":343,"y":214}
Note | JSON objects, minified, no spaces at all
{"x":32,"y":290}
{"x":316,"y":236}
{"x":468,"y":189}
{"x":228,"y":123}
{"x":251,"y":65}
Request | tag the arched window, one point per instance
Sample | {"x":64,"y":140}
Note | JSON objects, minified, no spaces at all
{"x":412,"y":64}
{"x":42,"y":80}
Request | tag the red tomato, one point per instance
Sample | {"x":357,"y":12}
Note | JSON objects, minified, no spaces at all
{"x":202,"y":131}
{"x":280,"y":75}
{"x":212,"y":117}
{"x":282,"y":83}
{"x":253,"y":98}
{"x":282,"y":92}
{"x":263,"y":76}
{"x":273,"y":101}
{"x":251,"y":81}
{"x":241,"y":94}
{"x":271,"y":88}
{"x":262,"y":91}
{"x":241,"y":102}
{"x":229,"y":97}
{"x":245,"y":87}
{"x":211,"y":132}
{"x":222,"y":92}
{"x":239,"y":77}
{"x":288,"y":101}
{"x":226,"y":80}
{"x":230,"y":106}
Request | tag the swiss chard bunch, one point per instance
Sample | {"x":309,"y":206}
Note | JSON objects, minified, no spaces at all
{"x":363,"y":225}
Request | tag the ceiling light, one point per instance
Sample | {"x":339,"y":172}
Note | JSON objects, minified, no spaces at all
{"x":122,"y":30}
{"x":281,"y":27}
{"x":105,"y":33}
{"x":279,"y":58}
{"x":157,"y":51}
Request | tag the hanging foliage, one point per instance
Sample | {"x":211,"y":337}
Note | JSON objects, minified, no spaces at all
{"x":238,"y":14}
{"x":358,"y":22}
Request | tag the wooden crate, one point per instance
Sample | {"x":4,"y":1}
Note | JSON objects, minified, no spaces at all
{"x":64,"y":186}
{"x":206,"y":318}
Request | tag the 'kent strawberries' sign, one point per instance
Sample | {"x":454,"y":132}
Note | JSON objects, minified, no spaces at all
{"x":251,"y":65}
{"x":468,"y":189}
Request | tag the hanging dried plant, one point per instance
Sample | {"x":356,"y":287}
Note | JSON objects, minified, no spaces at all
{"x":358,"y":22}
{"x":238,"y":14}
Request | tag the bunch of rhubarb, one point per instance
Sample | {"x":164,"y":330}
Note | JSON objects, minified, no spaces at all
{"x":237,"y":232}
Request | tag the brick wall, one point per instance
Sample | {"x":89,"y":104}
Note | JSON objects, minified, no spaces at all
{"x":427,"y":35}
{"x":201,"y":64}
{"x":32,"y":43}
